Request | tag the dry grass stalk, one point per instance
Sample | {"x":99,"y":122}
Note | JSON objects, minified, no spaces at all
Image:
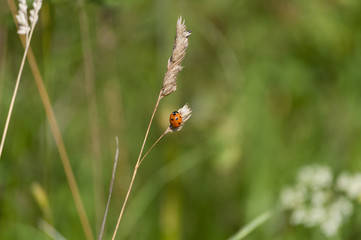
{"x":169,"y":86}
{"x":136,"y":168}
{"x":110,"y":190}
{"x":56,"y":134}
{"x":26,"y":29}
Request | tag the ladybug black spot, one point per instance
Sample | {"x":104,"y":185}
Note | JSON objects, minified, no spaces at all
{"x":171,"y":119}
{"x":176,"y":118}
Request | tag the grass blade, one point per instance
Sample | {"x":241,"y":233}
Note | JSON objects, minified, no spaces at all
{"x":258,"y":221}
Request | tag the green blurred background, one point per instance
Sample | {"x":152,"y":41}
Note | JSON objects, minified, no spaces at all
{"x":274,"y":85}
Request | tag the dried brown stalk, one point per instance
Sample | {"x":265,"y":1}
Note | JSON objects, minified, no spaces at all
{"x":110,"y":190}
{"x":169,"y":86}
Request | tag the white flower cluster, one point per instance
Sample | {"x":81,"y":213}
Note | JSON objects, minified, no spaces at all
{"x":22,"y":16}
{"x":318,"y":201}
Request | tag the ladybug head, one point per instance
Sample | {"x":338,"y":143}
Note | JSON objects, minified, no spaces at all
{"x":174,"y":113}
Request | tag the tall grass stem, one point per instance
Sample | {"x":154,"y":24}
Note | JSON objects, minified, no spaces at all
{"x":136,"y":166}
{"x":56,"y":134}
{"x":28,"y":39}
{"x":110,"y":190}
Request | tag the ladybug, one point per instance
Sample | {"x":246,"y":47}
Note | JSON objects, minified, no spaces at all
{"x":175,"y":119}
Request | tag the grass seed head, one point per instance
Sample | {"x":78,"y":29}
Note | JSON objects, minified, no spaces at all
{"x":22,"y":16}
{"x":174,"y":62}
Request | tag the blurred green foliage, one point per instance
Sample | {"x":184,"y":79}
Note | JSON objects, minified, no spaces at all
{"x":274,"y":85}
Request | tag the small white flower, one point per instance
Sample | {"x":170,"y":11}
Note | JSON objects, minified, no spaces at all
{"x":349,"y":184}
{"x":338,"y":211}
{"x":354,"y":190}
{"x":320,"y":198}
{"x":293,"y":197}
{"x":315,"y":176}
{"x":298,"y":216}
{"x":342,"y":207}
{"x":315,"y":216}
{"x":330,"y":226}
{"x":343,"y":181}
{"x":323,"y":177}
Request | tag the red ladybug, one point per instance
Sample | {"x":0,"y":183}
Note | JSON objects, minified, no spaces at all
{"x":175,"y":119}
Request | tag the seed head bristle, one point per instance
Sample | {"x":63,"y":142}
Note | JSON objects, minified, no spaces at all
{"x":174,"y":62}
